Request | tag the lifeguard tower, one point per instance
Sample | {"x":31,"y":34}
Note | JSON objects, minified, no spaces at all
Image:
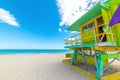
{"x":97,"y":42}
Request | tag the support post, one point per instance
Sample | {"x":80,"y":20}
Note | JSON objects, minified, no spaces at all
{"x":99,"y":66}
{"x":73,"y":57}
{"x":96,"y":59}
{"x":83,"y":56}
{"x":112,"y":36}
{"x":95,"y":35}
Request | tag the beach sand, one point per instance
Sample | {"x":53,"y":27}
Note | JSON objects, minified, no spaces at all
{"x":36,"y":67}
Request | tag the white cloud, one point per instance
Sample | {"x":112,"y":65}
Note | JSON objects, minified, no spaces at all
{"x":71,"y":10}
{"x":7,"y":17}
{"x":59,"y":29}
{"x":74,"y":32}
{"x":65,"y":31}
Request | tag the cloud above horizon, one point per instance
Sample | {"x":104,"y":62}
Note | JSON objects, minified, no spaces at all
{"x":71,"y":10}
{"x":59,"y":29}
{"x":7,"y":17}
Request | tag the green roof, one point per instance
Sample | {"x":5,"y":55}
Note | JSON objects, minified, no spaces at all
{"x":92,"y":13}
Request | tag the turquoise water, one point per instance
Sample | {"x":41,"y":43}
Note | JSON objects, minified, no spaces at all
{"x":33,"y":51}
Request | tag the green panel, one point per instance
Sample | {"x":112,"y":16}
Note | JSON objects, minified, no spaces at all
{"x":117,"y":32}
{"x":109,"y":56}
{"x":90,"y":40}
{"x":109,"y":38}
{"x":91,"y":14}
{"x":105,"y":16}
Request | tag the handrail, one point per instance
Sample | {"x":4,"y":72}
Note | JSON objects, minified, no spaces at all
{"x":73,"y":40}
{"x":73,"y":36}
{"x":107,"y":33}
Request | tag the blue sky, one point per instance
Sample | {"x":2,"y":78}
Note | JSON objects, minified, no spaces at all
{"x":37,"y":23}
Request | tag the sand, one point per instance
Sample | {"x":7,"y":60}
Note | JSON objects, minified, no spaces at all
{"x":36,"y":67}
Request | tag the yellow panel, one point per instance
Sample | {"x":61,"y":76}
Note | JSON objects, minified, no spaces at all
{"x":106,"y":48}
{"x":68,"y":55}
{"x":80,"y":48}
{"x":115,"y":76}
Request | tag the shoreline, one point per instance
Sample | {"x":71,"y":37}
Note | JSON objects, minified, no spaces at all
{"x":30,"y":53}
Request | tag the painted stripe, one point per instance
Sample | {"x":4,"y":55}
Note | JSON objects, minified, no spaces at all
{"x":89,"y":75}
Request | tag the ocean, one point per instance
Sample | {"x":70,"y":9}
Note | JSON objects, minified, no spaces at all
{"x":34,"y":51}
